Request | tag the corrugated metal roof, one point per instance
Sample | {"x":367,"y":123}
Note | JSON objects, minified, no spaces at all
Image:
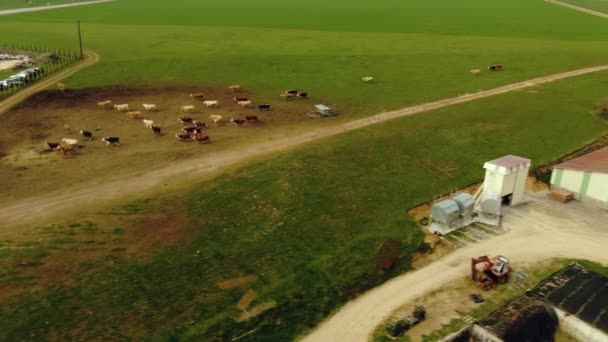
{"x":595,"y":161}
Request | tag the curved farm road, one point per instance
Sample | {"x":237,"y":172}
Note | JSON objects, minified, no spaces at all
{"x":578,"y":8}
{"x":35,"y":208}
{"x":46,"y":8}
{"x":534,"y":232}
{"x":90,"y":58}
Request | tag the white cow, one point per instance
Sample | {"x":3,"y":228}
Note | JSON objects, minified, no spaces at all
{"x":476,"y":72}
{"x":188,"y":109}
{"x":70,"y":142}
{"x":148,"y":123}
{"x":244,"y":104}
{"x":368,"y":79}
{"x":105,"y":104}
{"x":121,"y":107}
{"x":150,"y":107}
{"x":211,"y":104}
{"x":217,"y":119}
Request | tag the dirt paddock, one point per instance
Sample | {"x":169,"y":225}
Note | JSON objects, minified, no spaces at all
{"x":26,"y":169}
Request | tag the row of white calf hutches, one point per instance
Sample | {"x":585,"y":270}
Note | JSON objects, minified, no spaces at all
{"x":586,"y":177}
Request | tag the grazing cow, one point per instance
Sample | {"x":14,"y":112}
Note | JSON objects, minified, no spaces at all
{"x":61,"y":87}
{"x":264,"y":106}
{"x":51,"y":145}
{"x":201,"y":138}
{"x":211,"y":104}
{"x":303,"y":95}
{"x":292,"y":91}
{"x":135,"y":115}
{"x":238,"y":122}
{"x":66,"y":149}
{"x":187,"y":109}
{"x":70,"y":142}
{"x":149,"y":107}
{"x":244,"y":104}
{"x":199,"y":124}
{"x":495,"y":67}
{"x":183,"y":137}
{"x":252,"y":118}
{"x":216,"y":119}
{"x":86,"y":134}
{"x":111,"y":140}
{"x":476,"y":72}
{"x":121,"y":107}
{"x":156,"y":130}
{"x":185,"y":120}
{"x":105,"y":104}
{"x":287,"y":96}
{"x":235,"y":88}
{"x":192,"y":130}
{"x":198,"y":96}
{"x":368,"y":79}
{"x":148,"y":123}
{"x":239,"y":99}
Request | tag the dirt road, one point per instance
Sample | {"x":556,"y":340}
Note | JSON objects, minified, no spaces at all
{"x":46,"y":8}
{"x":82,"y":195}
{"x":578,"y":8}
{"x":90,"y":58}
{"x":535,"y":231}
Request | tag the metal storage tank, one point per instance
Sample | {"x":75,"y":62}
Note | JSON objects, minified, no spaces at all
{"x":445,"y":211}
{"x":490,"y":203}
{"x":465,"y":202}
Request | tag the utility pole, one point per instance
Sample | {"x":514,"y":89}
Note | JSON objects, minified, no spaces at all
{"x":80,"y":40}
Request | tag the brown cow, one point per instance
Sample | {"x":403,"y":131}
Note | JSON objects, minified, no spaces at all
{"x":238,"y":122}
{"x":66,"y":149}
{"x":201,"y":138}
{"x":252,"y":118}
{"x":183,"y":137}
{"x":185,"y":120}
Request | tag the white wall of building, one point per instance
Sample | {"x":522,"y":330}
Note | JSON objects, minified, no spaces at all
{"x":598,"y":187}
{"x":572,"y":180}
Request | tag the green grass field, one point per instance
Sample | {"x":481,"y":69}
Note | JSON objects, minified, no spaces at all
{"x":10,"y":4}
{"x":418,"y":50}
{"x":596,"y":5}
{"x":307,"y":223}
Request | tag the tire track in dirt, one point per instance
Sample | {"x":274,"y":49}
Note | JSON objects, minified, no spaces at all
{"x":578,"y":8}
{"x":90,"y":58}
{"x":38,"y":207}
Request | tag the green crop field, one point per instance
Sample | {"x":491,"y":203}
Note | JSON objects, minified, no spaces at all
{"x":308,"y":224}
{"x":418,"y":50}
{"x":305,"y":226}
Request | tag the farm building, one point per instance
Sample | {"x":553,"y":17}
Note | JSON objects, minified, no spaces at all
{"x":571,"y":303}
{"x":506,"y":179}
{"x":586,"y":177}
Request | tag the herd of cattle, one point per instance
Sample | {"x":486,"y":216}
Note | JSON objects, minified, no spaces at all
{"x":192,"y":129}
{"x":493,"y":67}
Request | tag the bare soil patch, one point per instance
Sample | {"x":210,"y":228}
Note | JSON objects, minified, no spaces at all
{"x":247,"y":298}
{"x":256,"y":310}
{"x":26,"y":169}
{"x":236,"y":282}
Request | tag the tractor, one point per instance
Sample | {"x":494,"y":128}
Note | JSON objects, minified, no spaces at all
{"x":492,"y":271}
